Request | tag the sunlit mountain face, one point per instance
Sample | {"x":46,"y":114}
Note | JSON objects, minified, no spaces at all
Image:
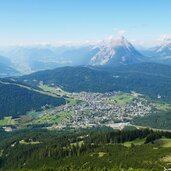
{"x":118,"y":51}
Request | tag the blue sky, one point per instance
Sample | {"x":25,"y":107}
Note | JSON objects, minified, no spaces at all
{"x":32,"y":21}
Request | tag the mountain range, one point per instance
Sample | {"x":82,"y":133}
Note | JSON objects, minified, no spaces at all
{"x":109,"y":52}
{"x":161,"y":53}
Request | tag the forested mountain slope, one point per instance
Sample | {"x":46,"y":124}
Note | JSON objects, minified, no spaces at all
{"x":149,"y":79}
{"x":16,"y":100}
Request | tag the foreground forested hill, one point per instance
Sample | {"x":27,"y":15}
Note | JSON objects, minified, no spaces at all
{"x":97,"y":149}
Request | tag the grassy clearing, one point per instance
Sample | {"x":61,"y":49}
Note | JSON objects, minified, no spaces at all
{"x":101,"y":154}
{"x":51,"y":90}
{"x":7,"y":121}
{"x":135,"y":142}
{"x":121,"y":99}
{"x":33,"y":114}
{"x":62,"y":116}
{"x":166,"y":159}
{"x":72,"y":102}
{"x":24,"y":120}
{"x":164,"y":142}
{"x":53,"y":119}
{"x":163,"y":106}
{"x":29,"y":143}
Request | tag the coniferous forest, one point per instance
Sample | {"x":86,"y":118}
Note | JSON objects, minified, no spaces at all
{"x":100,"y":148}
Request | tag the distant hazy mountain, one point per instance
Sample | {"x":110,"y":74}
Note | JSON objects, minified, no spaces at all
{"x":6,"y":68}
{"x":116,"y":52}
{"x":109,"y":52}
{"x":31,"y":59}
{"x":161,"y":53}
{"x":4,"y":60}
{"x":164,"y":50}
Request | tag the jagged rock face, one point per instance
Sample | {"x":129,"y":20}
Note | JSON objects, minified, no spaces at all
{"x":116,"y":52}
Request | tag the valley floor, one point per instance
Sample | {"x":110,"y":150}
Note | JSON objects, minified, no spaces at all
{"x":115,"y":109}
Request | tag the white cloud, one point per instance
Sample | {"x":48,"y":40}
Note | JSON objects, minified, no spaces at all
{"x":120,"y":33}
{"x":164,"y":37}
{"x":116,"y":35}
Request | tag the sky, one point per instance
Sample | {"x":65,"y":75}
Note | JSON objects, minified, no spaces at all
{"x":56,"y":21}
